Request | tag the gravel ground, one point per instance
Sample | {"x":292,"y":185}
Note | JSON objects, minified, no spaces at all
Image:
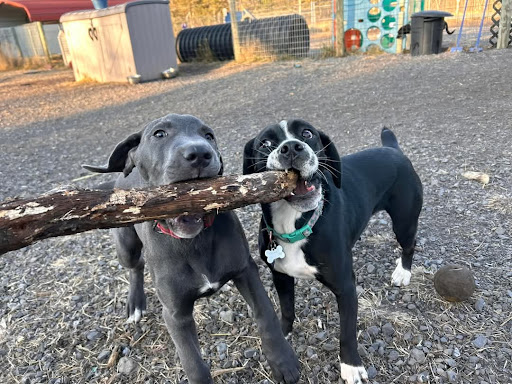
{"x":62,"y":300}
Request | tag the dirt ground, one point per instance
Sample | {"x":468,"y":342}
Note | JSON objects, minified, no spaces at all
{"x":62,"y":300}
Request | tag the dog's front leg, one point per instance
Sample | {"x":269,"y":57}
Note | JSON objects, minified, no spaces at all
{"x":285,"y":287}
{"x":182,"y":328}
{"x":280,"y":356}
{"x":351,"y":368}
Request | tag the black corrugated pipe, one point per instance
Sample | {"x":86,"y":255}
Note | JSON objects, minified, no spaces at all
{"x":282,"y":35}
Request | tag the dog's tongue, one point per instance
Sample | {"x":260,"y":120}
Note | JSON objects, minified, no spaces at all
{"x":303,"y":187}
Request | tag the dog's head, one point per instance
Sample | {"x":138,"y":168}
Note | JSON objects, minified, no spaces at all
{"x":170,"y":149}
{"x":296,"y":145}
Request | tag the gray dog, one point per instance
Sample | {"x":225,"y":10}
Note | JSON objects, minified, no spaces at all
{"x":191,"y":256}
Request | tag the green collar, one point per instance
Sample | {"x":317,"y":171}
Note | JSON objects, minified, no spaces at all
{"x":301,"y":233}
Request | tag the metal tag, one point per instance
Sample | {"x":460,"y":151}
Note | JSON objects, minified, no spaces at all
{"x":274,"y":252}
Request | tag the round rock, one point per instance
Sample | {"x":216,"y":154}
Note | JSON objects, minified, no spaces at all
{"x":454,"y":282}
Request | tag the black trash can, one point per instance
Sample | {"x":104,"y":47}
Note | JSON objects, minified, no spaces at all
{"x":427,"y":32}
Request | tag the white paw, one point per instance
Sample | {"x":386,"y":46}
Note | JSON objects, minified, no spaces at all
{"x":135,"y":316}
{"x":353,"y":375}
{"x":401,"y":276}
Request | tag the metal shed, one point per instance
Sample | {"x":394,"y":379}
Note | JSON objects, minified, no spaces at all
{"x":128,"y":42}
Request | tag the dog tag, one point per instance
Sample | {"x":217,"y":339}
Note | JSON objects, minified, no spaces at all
{"x":275,"y":252}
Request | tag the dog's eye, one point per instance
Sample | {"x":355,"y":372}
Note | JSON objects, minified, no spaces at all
{"x":209,"y":136}
{"x":266,"y":144}
{"x":160,"y":133}
{"x":307,"y":134}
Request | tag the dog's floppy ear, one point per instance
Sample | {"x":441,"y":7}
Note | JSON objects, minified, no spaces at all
{"x":333,"y":158}
{"x":248,"y":167}
{"x":121,"y":158}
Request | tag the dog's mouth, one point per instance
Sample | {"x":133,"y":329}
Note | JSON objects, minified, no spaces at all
{"x":306,"y":194}
{"x":186,"y":226}
{"x":303,"y":188}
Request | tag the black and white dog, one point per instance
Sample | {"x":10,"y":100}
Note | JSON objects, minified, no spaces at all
{"x":310,"y":234}
{"x":191,"y":256}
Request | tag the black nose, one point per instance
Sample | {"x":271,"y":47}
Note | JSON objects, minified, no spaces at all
{"x":198,"y":156}
{"x":292,"y":148}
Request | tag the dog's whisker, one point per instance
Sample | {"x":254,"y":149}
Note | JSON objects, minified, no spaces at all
{"x":328,"y":159}
{"x":321,"y":149}
{"x":322,"y":175}
{"x":330,"y":169}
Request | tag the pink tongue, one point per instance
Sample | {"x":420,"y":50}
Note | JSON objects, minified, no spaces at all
{"x":303,"y":188}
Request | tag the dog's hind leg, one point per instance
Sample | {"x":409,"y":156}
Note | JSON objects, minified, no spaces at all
{"x":405,"y":225}
{"x":129,"y":253}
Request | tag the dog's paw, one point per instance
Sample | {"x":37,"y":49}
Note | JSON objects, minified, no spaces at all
{"x":353,"y":375}
{"x":135,"y":316}
{"x":400,"y":277}
{"x":285,"y":365}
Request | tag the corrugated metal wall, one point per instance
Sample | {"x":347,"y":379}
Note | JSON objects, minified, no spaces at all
{"x":27,"y":41}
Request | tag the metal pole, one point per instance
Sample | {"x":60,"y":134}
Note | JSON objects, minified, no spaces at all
{"x":234,"y":29}
{"x":458,"y":48}
{"x":477,"y":48}
{"x":340,"y":29}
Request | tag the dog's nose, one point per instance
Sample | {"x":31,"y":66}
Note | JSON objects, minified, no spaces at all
{"x":198,"y":156}
{"x":293,"y":148}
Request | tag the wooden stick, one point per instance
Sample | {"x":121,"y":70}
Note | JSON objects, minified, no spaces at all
{"x":65,"y":212}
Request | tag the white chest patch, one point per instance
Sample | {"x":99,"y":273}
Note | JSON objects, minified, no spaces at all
{"x":294,"y":263}
{"x":207,"y":285}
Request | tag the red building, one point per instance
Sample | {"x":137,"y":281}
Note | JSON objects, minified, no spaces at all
{"x":47,"y":11}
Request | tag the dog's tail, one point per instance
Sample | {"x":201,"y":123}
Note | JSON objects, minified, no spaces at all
{"x":389,"y":139}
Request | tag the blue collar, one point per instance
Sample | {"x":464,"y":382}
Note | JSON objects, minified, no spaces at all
{"x":301,"y":233}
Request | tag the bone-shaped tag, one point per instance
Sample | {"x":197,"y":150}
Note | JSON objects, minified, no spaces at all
{"x":275,"y":253}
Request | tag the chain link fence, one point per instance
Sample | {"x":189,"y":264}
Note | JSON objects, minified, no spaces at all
{"x":303,"y":28}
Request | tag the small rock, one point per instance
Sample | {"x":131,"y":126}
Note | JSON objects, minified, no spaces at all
{"x":373,"y":330}
{"x":393,"y":355}
{"x":103,"y":356}
{"x":250,"y":353}
{"x":227,"y":316}
{"x":418,"y":355}
{"x":372,"y":372}
{"x":370,"y":268}
{"x":452,"y":376}
{"x":126,"y":365}
{"x":500,"y":231}
{"x":321,"y":335}
{"x":388,"y":330}
{"x":222,"y":348}
{"x":479,"y":304}
{"x":328,"y":347}
{"x":423,"y":377}
{"x":480,"y":341}
{"x":93,"y":335}
{"x":310,"y":352}
{"x":450,"y":362}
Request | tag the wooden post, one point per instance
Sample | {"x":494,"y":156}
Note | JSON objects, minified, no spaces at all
{"x":69,"y":211}
{"x":234,"y":29}
{"x":44,"y":43}
{"x":505,"y":19}
{"x":340,"y":29}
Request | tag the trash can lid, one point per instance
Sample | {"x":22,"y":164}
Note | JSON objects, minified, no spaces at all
{"x":431,"y":14}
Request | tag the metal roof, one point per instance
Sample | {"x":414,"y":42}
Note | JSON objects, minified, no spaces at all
{"x":51,"y":10}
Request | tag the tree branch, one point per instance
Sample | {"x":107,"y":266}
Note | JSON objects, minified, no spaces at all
{"x":23,"y":222}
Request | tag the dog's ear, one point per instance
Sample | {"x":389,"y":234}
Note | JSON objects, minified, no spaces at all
{"x":333,"y":160}
{"x":121,"y":158}
{"x":248,"y":167}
